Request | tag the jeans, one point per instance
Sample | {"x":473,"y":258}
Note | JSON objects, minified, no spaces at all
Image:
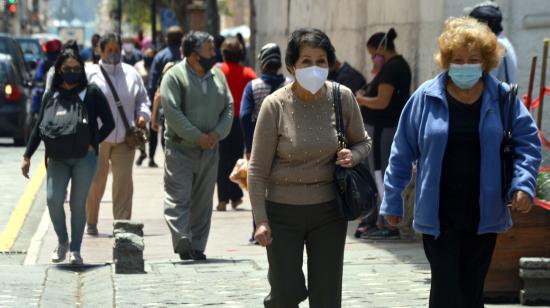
{"x":80,"y":172}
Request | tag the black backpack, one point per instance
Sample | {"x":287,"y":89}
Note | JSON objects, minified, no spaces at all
{"x":65,"y":127}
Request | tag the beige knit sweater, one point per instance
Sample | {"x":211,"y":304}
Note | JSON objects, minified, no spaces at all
{"x":295,"y":145}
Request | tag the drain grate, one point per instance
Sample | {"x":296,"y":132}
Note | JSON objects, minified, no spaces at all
{"x":14,"y":252}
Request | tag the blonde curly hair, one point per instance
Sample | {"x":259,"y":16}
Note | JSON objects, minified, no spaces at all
{"x":467,"y":32}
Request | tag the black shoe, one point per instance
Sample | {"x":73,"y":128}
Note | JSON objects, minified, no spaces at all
{"x":140,"y":159}
{"x":152,"y":164}
{"x":198,"y":255}
{"x":185,"y":256}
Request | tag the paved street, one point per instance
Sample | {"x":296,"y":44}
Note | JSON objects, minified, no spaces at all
{"x":388,"y":274}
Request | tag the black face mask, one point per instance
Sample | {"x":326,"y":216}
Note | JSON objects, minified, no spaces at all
{"x":71,"y":77}
{"x":207,"y":63}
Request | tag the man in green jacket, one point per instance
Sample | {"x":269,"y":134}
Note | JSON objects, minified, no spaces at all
{"x":198,"y":108}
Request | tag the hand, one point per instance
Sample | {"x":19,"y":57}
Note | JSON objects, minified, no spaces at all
{"x":25,"y":166}
{"x":521,"y":202}
{"x":263,"y":234}
{"x":203,"y":141}
{"x":154,"y":124}
{"x":344,"y":158}
{"x":141,"y":122}
{"x":214,"y":138}
{"x":393,"y":220}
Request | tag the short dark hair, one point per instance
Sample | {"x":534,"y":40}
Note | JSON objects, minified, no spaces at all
{"x":57,"y":80}
{"x":174,"y":36}
{"x":107,"y":38}
{"x":193,"y":42}
{"x":309,"y":37}
{"x":383,"y":39}
{"x":232,"y":50}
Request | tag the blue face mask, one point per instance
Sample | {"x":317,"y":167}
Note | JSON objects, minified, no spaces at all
{"x":465,"y":76}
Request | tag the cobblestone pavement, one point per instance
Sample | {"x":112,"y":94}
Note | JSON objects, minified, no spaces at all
{"x":376,"y":274}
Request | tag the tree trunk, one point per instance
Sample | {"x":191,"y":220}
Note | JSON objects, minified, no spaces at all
{"x":253,"y":30}
{"x":213,"y":17}
{"x":180,"y":9}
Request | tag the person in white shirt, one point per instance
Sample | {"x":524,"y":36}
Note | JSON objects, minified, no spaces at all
{"x":114,"y":151}
{"x":489,"y":13}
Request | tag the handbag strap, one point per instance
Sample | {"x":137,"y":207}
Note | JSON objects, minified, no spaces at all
{"x":117,"y":99}
{"x":337,"y":102}
{"x":509,"y":97}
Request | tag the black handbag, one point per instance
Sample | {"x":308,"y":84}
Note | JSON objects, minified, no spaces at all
{"x":356,"y":192}
{"x":507,"y":153}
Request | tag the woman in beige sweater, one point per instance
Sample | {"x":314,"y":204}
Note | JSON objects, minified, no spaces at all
{"x":294,"y":152}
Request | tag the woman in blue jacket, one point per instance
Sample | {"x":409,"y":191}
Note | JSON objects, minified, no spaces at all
{"x":451,"y":127}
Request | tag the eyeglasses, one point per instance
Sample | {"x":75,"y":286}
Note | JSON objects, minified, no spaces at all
{"x":72,"y":69}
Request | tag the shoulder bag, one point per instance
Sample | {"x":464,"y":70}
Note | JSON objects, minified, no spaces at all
{"x":507,"y":154}
{"x":356,"y":192}
{"x":136,"y":137}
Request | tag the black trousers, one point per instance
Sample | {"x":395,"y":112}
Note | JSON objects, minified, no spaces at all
{"x":459,"y":262}
{"x":323,"y":232}
{"x":231,"y":149}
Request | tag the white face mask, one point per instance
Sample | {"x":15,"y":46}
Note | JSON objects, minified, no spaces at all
{"x":312,"y":78}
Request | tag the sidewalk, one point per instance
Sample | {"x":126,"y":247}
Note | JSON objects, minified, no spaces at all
{"x":385,"y":274}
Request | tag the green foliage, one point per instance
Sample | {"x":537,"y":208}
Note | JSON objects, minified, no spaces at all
{"x":543,"y":186}
{"x":137,"y":13}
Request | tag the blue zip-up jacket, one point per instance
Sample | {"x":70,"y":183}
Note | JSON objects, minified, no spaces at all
{"x":422,"y":136}
{"x":168,"y":54}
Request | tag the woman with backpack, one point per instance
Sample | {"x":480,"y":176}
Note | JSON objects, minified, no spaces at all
{"x":68,"y":125}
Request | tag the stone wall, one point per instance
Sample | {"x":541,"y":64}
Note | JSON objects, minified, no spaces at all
{"x":349,"y":23}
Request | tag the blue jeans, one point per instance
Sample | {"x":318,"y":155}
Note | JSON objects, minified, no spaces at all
{"x":81,"y":172}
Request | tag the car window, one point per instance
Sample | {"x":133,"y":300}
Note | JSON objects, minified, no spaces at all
{"x":3,"y":72}
{"x":4,"y":48}
{"x":30,"y":47}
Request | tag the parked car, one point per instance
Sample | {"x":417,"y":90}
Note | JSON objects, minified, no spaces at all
{"x":32,"y":51}
{"x":9,"y":46}
{"x":15,"y":104}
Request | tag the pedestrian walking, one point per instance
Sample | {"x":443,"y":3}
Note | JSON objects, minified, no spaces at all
{"x":144,"y":69}
{"x":198,"y":107}
{"x":452,"y":128}
{"x":232,"y":147}
{"x":382,"y":102}
{"x":489,"y":12}
{"x":157,"y":113}
{"x":291,"y":176}
{"x":255,"y":92}
{"x":68,"y":125}
{"x":170,"y":53}
{"x":127,"y":90}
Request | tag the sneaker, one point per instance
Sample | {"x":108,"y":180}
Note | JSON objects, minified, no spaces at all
{"x":140,"y":159}
{"x":75,"y":258}
{"x":92,"y":230}
{"x":152,"y":164}
{"x":384,"y":234}
{"x":198,"y":255}
{"x":60,"y":252}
